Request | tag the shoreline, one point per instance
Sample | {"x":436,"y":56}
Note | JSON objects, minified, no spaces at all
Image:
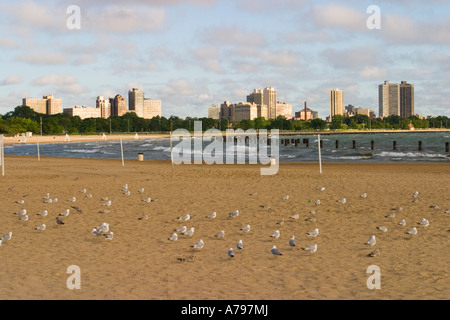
{"x":131,"y":136}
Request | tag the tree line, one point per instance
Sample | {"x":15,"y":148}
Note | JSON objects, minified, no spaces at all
{"x":24,"y":119}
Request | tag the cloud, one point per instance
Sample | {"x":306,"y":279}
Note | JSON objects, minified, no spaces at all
{"x":373,"y":73}
{"x":208,"y":58}
{"x":339,"y":16}
{"x":8,"y":43}
{"x":60,"y":83}
{"x":233,"y":36}
{"x":42,"y":58}
{"x":12,"y":79}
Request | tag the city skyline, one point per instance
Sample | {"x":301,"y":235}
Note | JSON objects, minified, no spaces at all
{"x":192,"y":54}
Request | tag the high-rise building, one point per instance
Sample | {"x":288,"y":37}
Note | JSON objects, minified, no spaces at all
{"x":283,"y":109}
{"x":152,"y":108}
{"x":270,"y":100}
{"x":136,"y":101}
{"x":214,"y":112}
{"x":118,"y":105}
{"x":104,"y":106}
{"x":396,"y":99}
{"x":83,"y":112}
{"x":406,"y":99}
{"x":256,"y":97}
{"x":46,"y":105}
{"x":336,"y":103}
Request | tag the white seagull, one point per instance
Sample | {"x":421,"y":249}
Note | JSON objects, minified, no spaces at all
{"x":24,"y":218}
{"x":415,"y":194}
{"x":221,"y":234}
{"x":234,"y":214}
{"x":276,"y":234}
{"x":311,"y":248}
{"x":343,"y":200}
{"x":43,"y":213}
{"x":246,"y":228}
{"x":189,"y":232}
{"x":212,"y":215}
{"x":286,"y":197}
{"x":65,"y":213}
{"x":104,"y":227}
{"x":141,"y":190}
{"x":173,"y":237}
{"x":7,"y":236}
{"x":240,"y":245}
{"x":382,"y":228}
{"x":185,"y":218}
{"x":424,"y":222}
{"x":22,"y":212}
{"x":292,"y":241}
{"x":96,"y":232}
{"x":109,"y":236}
{"x":314,"y":233}
{"x":73,"y":199}
{"x":371,"y":240}
{"x":412,"y":231}
{"x":107,"y":203}
{"x":402,"y":222}
{"x":181,"y":229}
{"x":199,"y":244}
{"x":364,"y":195}
{"x":231,"y":252}
{"x":20,"y":202}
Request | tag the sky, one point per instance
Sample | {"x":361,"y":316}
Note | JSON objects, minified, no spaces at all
{"x":193,"y":54}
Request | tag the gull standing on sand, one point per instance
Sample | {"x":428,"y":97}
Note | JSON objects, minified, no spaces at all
{"x":96,"y":232}
{"x":402,"y":222}
{"x":412,"y":231}
{"x":415,"y":194}
{"x":240,"y":245}
{"x":73,"y":199}
{"x":212,"y":215}
{"x":424,"y":222}
{"x":189,"y":232}
{"x":185,"y":218}
{"x":65,"y":213}
{"x":221,"y":234}
{"x":83,"y":191}
{"x":104,"y":227}
{"x":292,"y":241}
{"x":364,"y":195}
{"x":24,"y":218}
{"x":317,"y":202}
{"x":321,"y":189}
{"x":20,"y":202}
{"x":286,"y":197}
{"x":43,"y":213}
{"x":313,"y":233}
{"x":147,"y":200}
{"x":141,"y":190}
{"x":21,"y":212}
{"x":181,"y":229}
{"x":109,"y":236}
{"x":173,"y":237}
{"x":230,"y":253}
{"x":311,"y":248}
{"x":107,"y":203}
{"x":276,"y":234}
{"x":382,"y":228}
{"x":274,"y":251}
{"x":199,"y":244}
{"x":59,"y":221}
{"x":47,"y":196}
{"x":234,"y":214}
{"x":343,"y":200}
{"x":371,"y":240}
{"x":246,"y":228}
{"x":7,"y":237}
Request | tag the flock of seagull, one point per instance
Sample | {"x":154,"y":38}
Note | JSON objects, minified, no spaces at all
{"x":103,"y":230}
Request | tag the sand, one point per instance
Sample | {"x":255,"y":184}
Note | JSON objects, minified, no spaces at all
{"x":141,"y":263}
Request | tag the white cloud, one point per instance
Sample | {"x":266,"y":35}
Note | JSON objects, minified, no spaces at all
{"x":44,"y":58}
{"x":373,"y":73}
{"x":339,"y":16}
{"x":8,"y":43}
{"x":12,"y":79}
{"x":233,"y":36}
{"x":60,"y":83}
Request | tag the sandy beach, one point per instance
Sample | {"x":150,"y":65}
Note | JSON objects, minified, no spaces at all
{"x":141,"y":263}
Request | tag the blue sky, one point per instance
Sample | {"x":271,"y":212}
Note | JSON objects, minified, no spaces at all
{"x":192,"y":54}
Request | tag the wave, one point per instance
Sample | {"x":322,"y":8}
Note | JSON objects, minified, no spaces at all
{"x":410,"y":155}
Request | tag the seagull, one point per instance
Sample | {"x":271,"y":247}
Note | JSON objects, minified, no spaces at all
{"x":281,"y":222}
{"x":317,"y":202}
{"x":371,"y":240}
{"x":77,"y":209}
{"x":286,"y":197}
{"x":424,"y":222}
{"x":127,"y":193}
{"x":313,"y":212}
{"x":391,"y":215}
{"x":55,"y":200}
{"x":89,"y":196}
{"x":147,"y":200}
{"x":105,"y":211}
{"x":173,"y":237}
{"x":311,"y":248}
{"x":73,"y":199}
{"x":221,"y":234}
{"x":125,"y":187}
{"x":234,"y":214}
{"x":448,"y":211}
{"x":415,"y":194}
{"x":189,"y":232}
{"x":65,"y":213}
{"x":274,"y":251}
{"x":105,"y":199}
{"x":185,"y":218}
{"x":83,"y":191}
{"x":43,"y":213}
{"x":20,"y":201}
{"x":343,"y":200}
{"x":402,"y":222}
{"x":231,"y":252}
{"x":144,"y":217}
{"x":109,"y":236}
{"x":47,"y":196}
{"x":7,"y":236}
{"x":240,"y":245}
{"x":374,"y":253}
{"x":321,"y":189}
{"x":276,"y":234}
{"x":48,"y":201}
{"x":141,"y":190}
{"x":22,"y":212}
{"x":246,"y":228}
{"x":412,"y":231}
{"x":397,"y":209}
{"x":59,"y":221}
{"x":96,"y":232}
{"x":312,"y":219}
{"x":107,"y":203}
{"x":104,"y":227}
{"x":292,"y":241}
{"x":364,"y":195}
{"x":435,"y":207}
{"x":181,"y":229}
{"x":212,"y":215}
{"x":295,"y":216}
{"x":24,"y":218}
{"x":199,"y":244}
{"x":382,"y":228}
{"x":313,"y":233}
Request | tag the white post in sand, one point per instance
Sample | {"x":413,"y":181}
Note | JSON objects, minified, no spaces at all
{"x":121,"y":150}
{"x":39,"y":156}
{"x":67,"y":138}
{"x":171,"y":150}
{"x":136,"y":137}
{"x":2,"y":155}
{"x":320,"y":155}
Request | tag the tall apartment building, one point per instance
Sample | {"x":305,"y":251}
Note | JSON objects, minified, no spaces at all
{"x":152,"y":108}
{"x":46,"y":105}
{"x":336,"y":102}
{"x":83,"y":112}
{"x":214,"y":112}
{"x":118,"y":105}
{"x":267,"y":97}
{"x":396,"y":99}
{"x":104,"y":106}
{"x":241,"y":111}
{"x":283,"y":109}
{"x":136,"y":101}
